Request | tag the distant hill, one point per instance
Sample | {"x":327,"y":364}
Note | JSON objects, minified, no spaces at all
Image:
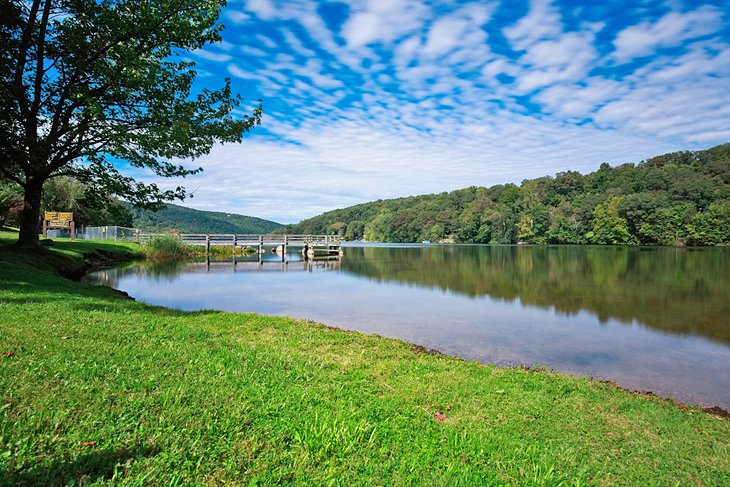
{"x":187,"y":220}
{"x":682,"y":198}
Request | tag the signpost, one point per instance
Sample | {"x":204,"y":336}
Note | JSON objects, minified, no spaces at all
{"x":58,"y":219}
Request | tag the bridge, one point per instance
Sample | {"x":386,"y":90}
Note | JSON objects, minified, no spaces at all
{"x":309,"y":245}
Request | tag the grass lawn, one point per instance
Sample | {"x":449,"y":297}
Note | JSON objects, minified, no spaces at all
{"x":95,"y":388}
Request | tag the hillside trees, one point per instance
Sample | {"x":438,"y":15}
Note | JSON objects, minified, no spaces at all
{"x":674,"y":199}
{"x":88,"y":86}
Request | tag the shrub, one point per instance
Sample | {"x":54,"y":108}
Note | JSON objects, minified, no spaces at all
{"x":166,"y":248}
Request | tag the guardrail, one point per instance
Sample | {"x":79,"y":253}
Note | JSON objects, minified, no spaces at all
{"x":311,"y":244}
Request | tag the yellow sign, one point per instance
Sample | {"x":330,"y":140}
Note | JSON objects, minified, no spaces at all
{"x":59,"y":218}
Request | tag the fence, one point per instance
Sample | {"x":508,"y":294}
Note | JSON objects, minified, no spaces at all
{"x":110,"y":232}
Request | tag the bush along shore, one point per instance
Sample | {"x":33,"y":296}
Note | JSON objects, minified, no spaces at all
{"x":168,"y":248}
{"x":95,"y":388}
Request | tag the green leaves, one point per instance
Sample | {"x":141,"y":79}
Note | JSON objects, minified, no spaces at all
{"x":91,"y":84}
{"x":669,"y":200}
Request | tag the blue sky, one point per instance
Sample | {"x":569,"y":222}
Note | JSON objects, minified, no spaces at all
{"x":385,"y":98}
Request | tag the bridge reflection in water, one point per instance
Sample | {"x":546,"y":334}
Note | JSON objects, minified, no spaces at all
{"x":238,"y":264}
{"x":166,"y":271}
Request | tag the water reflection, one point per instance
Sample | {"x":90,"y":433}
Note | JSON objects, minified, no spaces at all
{"x":670,"y":289}
{"x":650,"y":319}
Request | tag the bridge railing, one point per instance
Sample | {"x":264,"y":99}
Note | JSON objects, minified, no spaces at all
{"x":238,"y":239}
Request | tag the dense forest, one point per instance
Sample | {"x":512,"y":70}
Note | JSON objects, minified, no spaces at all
{"x":682,"y":198}
{"x":187,"y":220}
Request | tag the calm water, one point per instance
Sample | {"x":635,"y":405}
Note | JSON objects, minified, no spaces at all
{"x":653,"y":319}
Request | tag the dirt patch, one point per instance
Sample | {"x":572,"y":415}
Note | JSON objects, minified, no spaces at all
{"x":717,"y":411}
{"x":424,"y":350}
{"x":714,"y":410}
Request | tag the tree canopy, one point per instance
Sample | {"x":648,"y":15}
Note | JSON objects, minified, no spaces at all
{"x":90,"y":85}
{"x":681,"y":198}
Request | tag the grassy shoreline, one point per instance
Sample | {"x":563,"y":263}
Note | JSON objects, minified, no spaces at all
{"x":107,"y":390}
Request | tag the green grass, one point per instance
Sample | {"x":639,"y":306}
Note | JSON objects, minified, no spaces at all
{"x":217,"y":398}
{"x":166,"y":248}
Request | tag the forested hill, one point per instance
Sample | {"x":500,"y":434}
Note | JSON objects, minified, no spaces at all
{"x":682,"y":198}
{"x":186,"y":220}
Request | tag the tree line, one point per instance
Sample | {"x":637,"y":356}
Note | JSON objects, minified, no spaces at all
{"x":681,"y":198}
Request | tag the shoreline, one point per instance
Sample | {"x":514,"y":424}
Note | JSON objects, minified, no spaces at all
{"x":712,"y":409}
{"x":211,"y":397}
{"x":709,"y":407}
{"x":100,"y":259}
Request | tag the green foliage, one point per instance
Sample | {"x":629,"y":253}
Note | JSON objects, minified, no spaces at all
{"x":609,"y":228}
{"x":187,"y":220}
{"x":211,"y":398}
{"x":674,"y":199}
{"x":11,"y":203}
{"x":709,"y":227}
{"x":67,"y":194}
{"x":355,"y":230}
{"x":166,"y":248}
{"x":337,"y":228}
{"x":104,"y":82}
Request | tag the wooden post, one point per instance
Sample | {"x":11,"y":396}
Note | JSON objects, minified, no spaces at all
{"x":283,"y":253}
{"x":261,"y":244}
{"x":45,"y":228}
{"x":207,"y":244}
{"x":235,"y":242}
{"x":73,"y":231}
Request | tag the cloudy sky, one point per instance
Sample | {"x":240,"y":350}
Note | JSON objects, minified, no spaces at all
{"x":369,"y":99}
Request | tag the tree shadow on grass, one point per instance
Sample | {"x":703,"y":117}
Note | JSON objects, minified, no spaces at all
{"x":93,"y":466}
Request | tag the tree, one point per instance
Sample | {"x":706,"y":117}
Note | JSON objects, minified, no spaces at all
{"x":86,"y":84}
{"x":709,"y":227}
{"x":11,"y":203}
{"x":66,"y":194}
{"x":355,"y":230}
{"x":609,"y":228}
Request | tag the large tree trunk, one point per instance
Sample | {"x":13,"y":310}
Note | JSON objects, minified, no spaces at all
{"x":30,"y":217}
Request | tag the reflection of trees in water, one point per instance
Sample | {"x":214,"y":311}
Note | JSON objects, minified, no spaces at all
{"x":671,"y":289}
{"x":161,"y":272}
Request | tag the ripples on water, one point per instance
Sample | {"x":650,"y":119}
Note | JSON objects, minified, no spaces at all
{"x":649,"y":318}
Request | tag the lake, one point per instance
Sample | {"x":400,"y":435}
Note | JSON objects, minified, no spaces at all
{"x":655,"y":319}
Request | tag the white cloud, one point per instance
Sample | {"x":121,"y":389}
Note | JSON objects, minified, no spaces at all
{"x":296,"y":44}
{"x":265,"y":9}
{"x":212,"y":56}
{"x":444,"y":35}
{"x":550,"y":61}
{"x":237,"y":17}
{"x":410,"y":100}
{"x":671,"y":30}
{"x":541,"y":22}
{"x":382,"y":21}
{"x":337,"y":165}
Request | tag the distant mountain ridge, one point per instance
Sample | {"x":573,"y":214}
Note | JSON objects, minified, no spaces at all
{"x":187,"y":220}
